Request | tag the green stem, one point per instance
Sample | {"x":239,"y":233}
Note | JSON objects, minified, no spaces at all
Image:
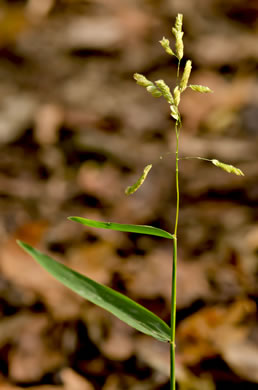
{"x":177,"y":181}
{"x":174,"y":266}
{"x":197,"y":158}
{"x":173,"y":320}
{"x":178,"y":69}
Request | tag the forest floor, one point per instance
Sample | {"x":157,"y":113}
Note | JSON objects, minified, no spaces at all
{"x":75,"y":131}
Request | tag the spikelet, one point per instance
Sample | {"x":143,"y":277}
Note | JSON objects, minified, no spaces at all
{"x":166,"y":46}
{"x":142,"y":80}
{"x":178,"y":33}
{"x":177,"y":95}
{"x":174,"y":112}
{"x":154,"y":91}
{"x":131,"y":189}
{"x":186,"y":75}
{"x":179,"y":45}
{"x":200,"y":88}
{"x":228,"y":168}
{"x":179,"y":22}
{"x":164,"y":88}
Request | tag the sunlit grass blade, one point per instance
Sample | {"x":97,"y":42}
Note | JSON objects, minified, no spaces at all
{"x":118,"y":304}
{"x":142,"y":229}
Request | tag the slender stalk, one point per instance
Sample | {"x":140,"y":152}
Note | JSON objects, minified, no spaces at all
{"x":173,"y":321}
{"x":178,"y":69}
{"x":196,"y":158}
{"x":177,"y":181}
{"x":174,"y":267}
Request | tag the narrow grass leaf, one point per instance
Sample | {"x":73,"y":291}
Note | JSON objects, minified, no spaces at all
{"x":142,"y":229}
{"x":118,"y":304}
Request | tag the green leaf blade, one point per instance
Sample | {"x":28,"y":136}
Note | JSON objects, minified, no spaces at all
{"x":141,"y":229}
{"x":116,"y":303}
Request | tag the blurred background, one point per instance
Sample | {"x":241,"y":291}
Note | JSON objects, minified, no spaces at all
{"x":75,"y":131}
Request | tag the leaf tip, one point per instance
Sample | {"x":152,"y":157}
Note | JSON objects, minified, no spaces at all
{"x":21,"y":244}
{"x":26,"y":247}
{"x":72,"y":219}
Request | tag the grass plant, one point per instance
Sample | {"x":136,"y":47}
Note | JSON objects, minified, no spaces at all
{"x":120,"y":305}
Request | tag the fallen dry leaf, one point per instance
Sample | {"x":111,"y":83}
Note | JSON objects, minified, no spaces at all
{"x":74,"y":381}
{"x":33,"y":355}
{"x":19,"y":268}
{"x":242,"y":358}
{"x":212,"y":330}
